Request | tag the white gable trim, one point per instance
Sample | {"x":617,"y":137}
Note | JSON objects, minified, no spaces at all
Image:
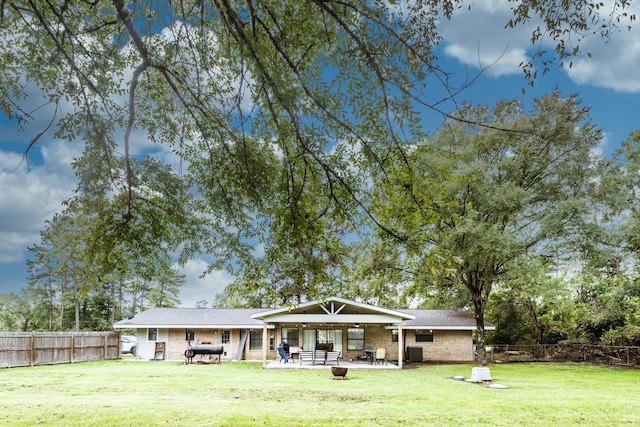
{"x":330,"y":309}
{"x":332,"y":318}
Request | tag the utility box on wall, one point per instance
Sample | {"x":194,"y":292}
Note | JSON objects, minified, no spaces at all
{"x":414,"y":354}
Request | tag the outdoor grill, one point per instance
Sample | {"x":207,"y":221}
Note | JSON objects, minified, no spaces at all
{"x":202,"y":349}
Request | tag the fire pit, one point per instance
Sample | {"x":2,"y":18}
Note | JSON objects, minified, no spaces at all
{"x":339,"y":373}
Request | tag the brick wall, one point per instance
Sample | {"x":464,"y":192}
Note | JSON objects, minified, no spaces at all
{"x":447,"y":346}
{"x":178,"y":344}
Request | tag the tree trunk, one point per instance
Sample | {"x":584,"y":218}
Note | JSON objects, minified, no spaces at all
{"x":76,"y":303}
{"x":63,"y":300}
{"x":113,"y":302}
{"x":479,"y":297}
{"x":481,"y":358}
{"x":537,"y":326}
{"x":50,"y":296}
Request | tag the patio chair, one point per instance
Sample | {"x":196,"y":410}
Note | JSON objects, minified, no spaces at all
{"x":381,"y":355}
{"x":367,"y":353}
{"x":283,"y":355}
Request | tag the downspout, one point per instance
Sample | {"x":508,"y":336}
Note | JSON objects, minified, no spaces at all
{"x":265,"y":343}
{"x":400,"y":344}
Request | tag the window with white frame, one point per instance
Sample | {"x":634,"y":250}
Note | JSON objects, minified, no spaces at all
{"x":225,"y":337}
{"x":152,"y":334}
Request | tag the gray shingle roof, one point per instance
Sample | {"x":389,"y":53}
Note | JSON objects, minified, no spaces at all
{"x":193,"y":317}
{"x":440,"y":319}
{"x":208,"y":317}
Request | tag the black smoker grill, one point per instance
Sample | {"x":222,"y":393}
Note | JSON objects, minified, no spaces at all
{"x":202,"y":349}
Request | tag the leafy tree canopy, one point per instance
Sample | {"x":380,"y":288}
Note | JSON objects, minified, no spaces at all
{"x":481,"y":198}
{"x":273,"y":109}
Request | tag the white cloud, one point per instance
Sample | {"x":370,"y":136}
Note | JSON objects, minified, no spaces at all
{"x":201,"y":288}
{"x":29,"y":198}
{"x":477,"y":38}
{"x":612,"y":65}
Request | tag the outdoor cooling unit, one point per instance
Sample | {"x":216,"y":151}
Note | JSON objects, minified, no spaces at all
{"x":414,"y":354}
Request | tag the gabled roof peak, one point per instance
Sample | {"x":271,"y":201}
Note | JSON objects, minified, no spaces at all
{"x":333,"y":306}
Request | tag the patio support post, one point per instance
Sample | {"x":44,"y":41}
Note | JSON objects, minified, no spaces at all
{"x":400,"y":344}
{"x":265,"y":343}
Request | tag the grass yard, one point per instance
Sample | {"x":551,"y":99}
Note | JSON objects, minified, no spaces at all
{"x":125,"y":392}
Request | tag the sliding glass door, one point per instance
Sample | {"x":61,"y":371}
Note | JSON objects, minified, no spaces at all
{"x":322,"y":336}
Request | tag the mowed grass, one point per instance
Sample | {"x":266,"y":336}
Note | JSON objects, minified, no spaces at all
{"x":166,"y":393}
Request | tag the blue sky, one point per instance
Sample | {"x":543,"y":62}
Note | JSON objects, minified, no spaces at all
{"x":608,"y":83}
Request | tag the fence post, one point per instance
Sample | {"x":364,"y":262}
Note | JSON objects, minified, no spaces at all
{"x":506,"y":353}
{"x":628,"y":361}
{"x":73,"y":347}
{"x":32,"y":353}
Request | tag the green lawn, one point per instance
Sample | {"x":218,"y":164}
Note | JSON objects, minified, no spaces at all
{"x":243,"y":394}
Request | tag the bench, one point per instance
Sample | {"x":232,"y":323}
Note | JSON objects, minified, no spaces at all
{"x":332,"y":356}
{"x":319,"y":356}
{"x":326,"y":356}
{"x":306,"y":355}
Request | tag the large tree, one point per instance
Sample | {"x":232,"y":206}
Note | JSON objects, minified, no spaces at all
{"x":234,"y":87}
{"x":92,"y":256}
{"x":629,"y":158}
{"x":479,"y":199}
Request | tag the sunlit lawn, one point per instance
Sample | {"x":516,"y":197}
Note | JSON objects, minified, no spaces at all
{"x":243,"y":394}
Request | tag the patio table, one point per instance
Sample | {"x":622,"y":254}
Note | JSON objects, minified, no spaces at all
{"x":370,"y":355}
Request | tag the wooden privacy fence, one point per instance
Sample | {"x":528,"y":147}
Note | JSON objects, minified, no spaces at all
{"x":51,"y":348}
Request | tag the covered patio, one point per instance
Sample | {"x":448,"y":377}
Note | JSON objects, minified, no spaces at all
{"x":338,"y":325}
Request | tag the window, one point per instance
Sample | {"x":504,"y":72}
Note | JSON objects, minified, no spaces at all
{"x":394,"y":335}
{"x":190,"y":335}
{"x":255,"y":339}
{"x":152,"y":334}
{"x":225,"y":337}
{"x":290,"y":336}
{"x":355,"y":339}
{"x":424,"y":335}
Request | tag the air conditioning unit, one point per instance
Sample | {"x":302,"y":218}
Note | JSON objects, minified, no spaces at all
{"x":414,"y":354}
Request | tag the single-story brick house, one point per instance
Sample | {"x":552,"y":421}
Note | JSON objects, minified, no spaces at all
{"x":348,"y":326}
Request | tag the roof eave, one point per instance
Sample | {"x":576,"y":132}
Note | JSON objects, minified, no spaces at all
{"x":193,"y":326}
{"x":443,"y":328}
